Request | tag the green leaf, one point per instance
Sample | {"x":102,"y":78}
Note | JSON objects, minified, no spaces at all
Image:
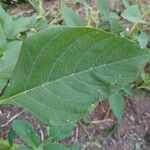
{"x":63,"y":72}
{"x":23,"y":24}
{"x":11,"y":136}
{"x":133,"y":14}
{"x":61,"y":131}
{"x":4,"y":145}
{"x":26,"y":132}
{"x":71,"y":18}
{"x":117,"y":105}
{"x":103,"y":7}
{"x":8,"y":61}
{"x":126,"y":3}
{"x":6,"y":21}
{"x":143,"y":39}
{"x":2,"y":39}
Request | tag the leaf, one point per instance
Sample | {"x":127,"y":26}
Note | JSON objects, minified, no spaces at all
{"x":61,"y":131}
{"x":63,"y":72}
{"x":128,"y":90}
{"x":8,"y":61}
{"x":4,"y":145}
{"x":117,"y":105}
{"x":23,"y":24}
{"x":2,"y":39}
{"x":103,"y":7}
{"x":26,"y":132}
{"x":143,"y":39}
{"x":133,"y":14}
{"x":71,"y":18}
{"x":6,"y":21}
{"x":11,"y":136}
{"x":126,"y":3}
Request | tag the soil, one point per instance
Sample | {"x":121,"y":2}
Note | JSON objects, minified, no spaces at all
{"x":133,"y":132}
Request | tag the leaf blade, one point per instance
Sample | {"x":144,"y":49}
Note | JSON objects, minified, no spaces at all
{"x":66,"y":81}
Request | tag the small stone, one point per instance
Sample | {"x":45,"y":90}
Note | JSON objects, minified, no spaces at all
{"x":131,"y":118}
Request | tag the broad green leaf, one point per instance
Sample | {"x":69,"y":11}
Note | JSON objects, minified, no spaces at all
{"x":143,"y":39}
{"x":6,"y":21}
{"x":71,"y":18}
{"x":133,"y":14}
{"x":63,"y":72}
{"x":26,"y":132}
{"x":117,"y":105}
{"x":61,"y":131}
{"x":103,"y":7}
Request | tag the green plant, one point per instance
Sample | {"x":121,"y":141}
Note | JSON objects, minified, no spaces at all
{"x":25,"y":131}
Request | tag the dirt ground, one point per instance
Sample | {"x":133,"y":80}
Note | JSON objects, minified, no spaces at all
{"x":133,"y":132}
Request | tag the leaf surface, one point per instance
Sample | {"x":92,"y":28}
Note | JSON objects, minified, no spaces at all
{"x":117,"y":104}
{"x":63,"y":72}
{"x":71,"y":18}
{"x":26,"y":132}
{"x":133,"y":14}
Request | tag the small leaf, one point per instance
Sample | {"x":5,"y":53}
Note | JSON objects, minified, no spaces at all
{"x":6,"y":21}
{"x":26,"y":132}
{"x":133,"y":14}
{"x":23,"y":24}
{"x":108,"y":132}
{"x":4,"y":145}
{"x":2,"y":39}
{"x":103,"y":7}
{"x":143,"y":39}
{"x":61,"y":131}
{"x":8,"y":61}
{"x":126,"y":3}
{"x":70,"y":17}
{"x":11,"y":136}
{"x":117,"y":104}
